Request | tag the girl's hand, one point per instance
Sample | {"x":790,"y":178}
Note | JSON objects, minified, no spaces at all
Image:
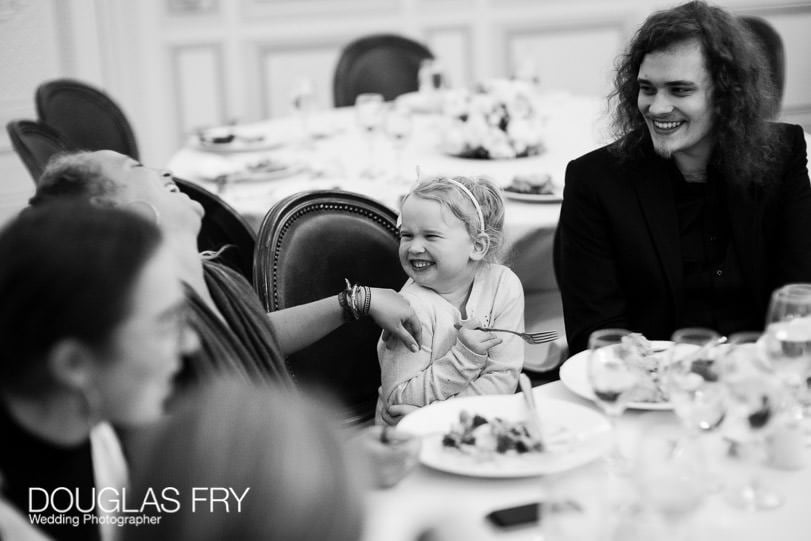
{"x":479,"y":342}
{"x":392,"y":312}
{"x":393,"y":414}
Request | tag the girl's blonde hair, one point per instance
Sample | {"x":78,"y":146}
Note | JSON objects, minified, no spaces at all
{"x":488,"y":195}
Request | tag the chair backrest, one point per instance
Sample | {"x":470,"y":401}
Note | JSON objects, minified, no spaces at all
{"x":307,"y":244}
{"x":85,"y":117}
{"x":772,"y":45}
{"x":222,"y":226}
{"x":384,"y":63}
{"x":34,"y":143}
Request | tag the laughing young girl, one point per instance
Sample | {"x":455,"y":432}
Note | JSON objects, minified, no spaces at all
{"x":450,"y":235}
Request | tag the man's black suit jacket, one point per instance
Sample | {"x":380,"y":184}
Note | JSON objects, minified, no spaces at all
{"x":619,"y":260}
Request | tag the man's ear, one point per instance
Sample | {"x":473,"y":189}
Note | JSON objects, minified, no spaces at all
{"x":481,"y":244}
{"x":71,"y":364}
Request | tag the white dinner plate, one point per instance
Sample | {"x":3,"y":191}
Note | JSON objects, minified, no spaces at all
{"x":248,"y":144}
{"x":574,"y":375}
{"x":533,"y":197}
{"x":278,"y":171}
{"x":574,"y":436}
{"x":274,"y":171}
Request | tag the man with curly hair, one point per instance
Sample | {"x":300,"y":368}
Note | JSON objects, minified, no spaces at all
{"x":701,"y":207}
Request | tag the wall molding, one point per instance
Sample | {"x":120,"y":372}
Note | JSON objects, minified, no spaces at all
{"x":12,"y":109}
{"x":175,"y":53}
{"x":467,"y":37}
{"x":509,"y":30}
{"x":265,"y":49}
{"x":265,"y":9}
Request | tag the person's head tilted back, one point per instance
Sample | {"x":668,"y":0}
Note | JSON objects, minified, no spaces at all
{"x":107,"y":178}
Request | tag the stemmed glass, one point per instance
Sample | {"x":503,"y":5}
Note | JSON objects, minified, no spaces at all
{"x":369,"y":115}
{"x":754,"y":394}
{"x":787,"y":340}
{"x":692,"y":381}
{"x":430,"y":76}
{"x":302,"y":99}
{"x":398,"y":129}
{"x":669,"y":479}
{"x":611,"y":377}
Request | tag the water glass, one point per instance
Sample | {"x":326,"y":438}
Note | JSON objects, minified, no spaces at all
{"x":302,"y":99}
{"x":670,"y":481}
{"x":787,"y":340}
{"x":369,"y":110}
{"x":754,"y":396}
{"x":692,"y":381}
{"x":398,"y":129}
{"x":611,"y":375}
{"x":430,"y":77}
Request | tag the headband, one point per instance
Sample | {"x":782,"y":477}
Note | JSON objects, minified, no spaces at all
{"x":472,"y":198}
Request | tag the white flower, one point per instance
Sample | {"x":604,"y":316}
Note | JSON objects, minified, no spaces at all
{"x":498,"y":145}
{"x":476,"y":130}
{"x":498,"y":122}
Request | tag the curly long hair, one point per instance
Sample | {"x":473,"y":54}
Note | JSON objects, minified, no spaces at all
{"x":741,"y":90}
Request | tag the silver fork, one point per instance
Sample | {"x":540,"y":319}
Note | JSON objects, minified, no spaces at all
{"x":528,"y":337}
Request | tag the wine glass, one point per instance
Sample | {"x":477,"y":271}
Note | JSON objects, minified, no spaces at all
{"x":430,"y":77}
{"x":369,"y":115}
{"x":302,"y":99}
{"x":669,"y":479}
{"x":692,"y":382}
{"x":398,"y":128}
{"x":612,"y":375}
{"x":787,"y":341}
{"x":754,"y":395}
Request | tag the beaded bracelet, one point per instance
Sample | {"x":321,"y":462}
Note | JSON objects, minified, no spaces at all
{"x":347,"y":312}
{"x":367,"y":300}
{"x":355,"y":300}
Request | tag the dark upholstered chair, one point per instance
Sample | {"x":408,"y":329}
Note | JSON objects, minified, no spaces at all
{"x":34,"y":143}
{"x":85,"y":117}
{"x":384,"y":63}
{"x":222,"y":226}
{"x":772,"y":46}
{"x":307,"y":244}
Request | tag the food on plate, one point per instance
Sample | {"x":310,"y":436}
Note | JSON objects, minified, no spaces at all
{"x":266,"y":166}
{"x":217,"y":136}
{"x":476,"y":434}
{"x":534,"y":184}
{"x":640,"y":354}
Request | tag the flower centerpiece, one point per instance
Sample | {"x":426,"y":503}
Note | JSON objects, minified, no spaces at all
{"x":497,"y":121}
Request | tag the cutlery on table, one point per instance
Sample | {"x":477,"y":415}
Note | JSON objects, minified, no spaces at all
{"x":530,"y":338}
{"x":534,"y":425}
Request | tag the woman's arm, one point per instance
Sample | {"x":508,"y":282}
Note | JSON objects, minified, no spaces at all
{"x":299,"y":326}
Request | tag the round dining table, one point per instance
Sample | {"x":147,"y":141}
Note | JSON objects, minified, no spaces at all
{"x":328,"y":150}
{"x":608,"y":503}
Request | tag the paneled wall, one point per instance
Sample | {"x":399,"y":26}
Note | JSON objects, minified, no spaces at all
{"x":175,"y":65}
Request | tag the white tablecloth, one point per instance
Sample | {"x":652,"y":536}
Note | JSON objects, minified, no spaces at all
{"x":429,"y":497}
